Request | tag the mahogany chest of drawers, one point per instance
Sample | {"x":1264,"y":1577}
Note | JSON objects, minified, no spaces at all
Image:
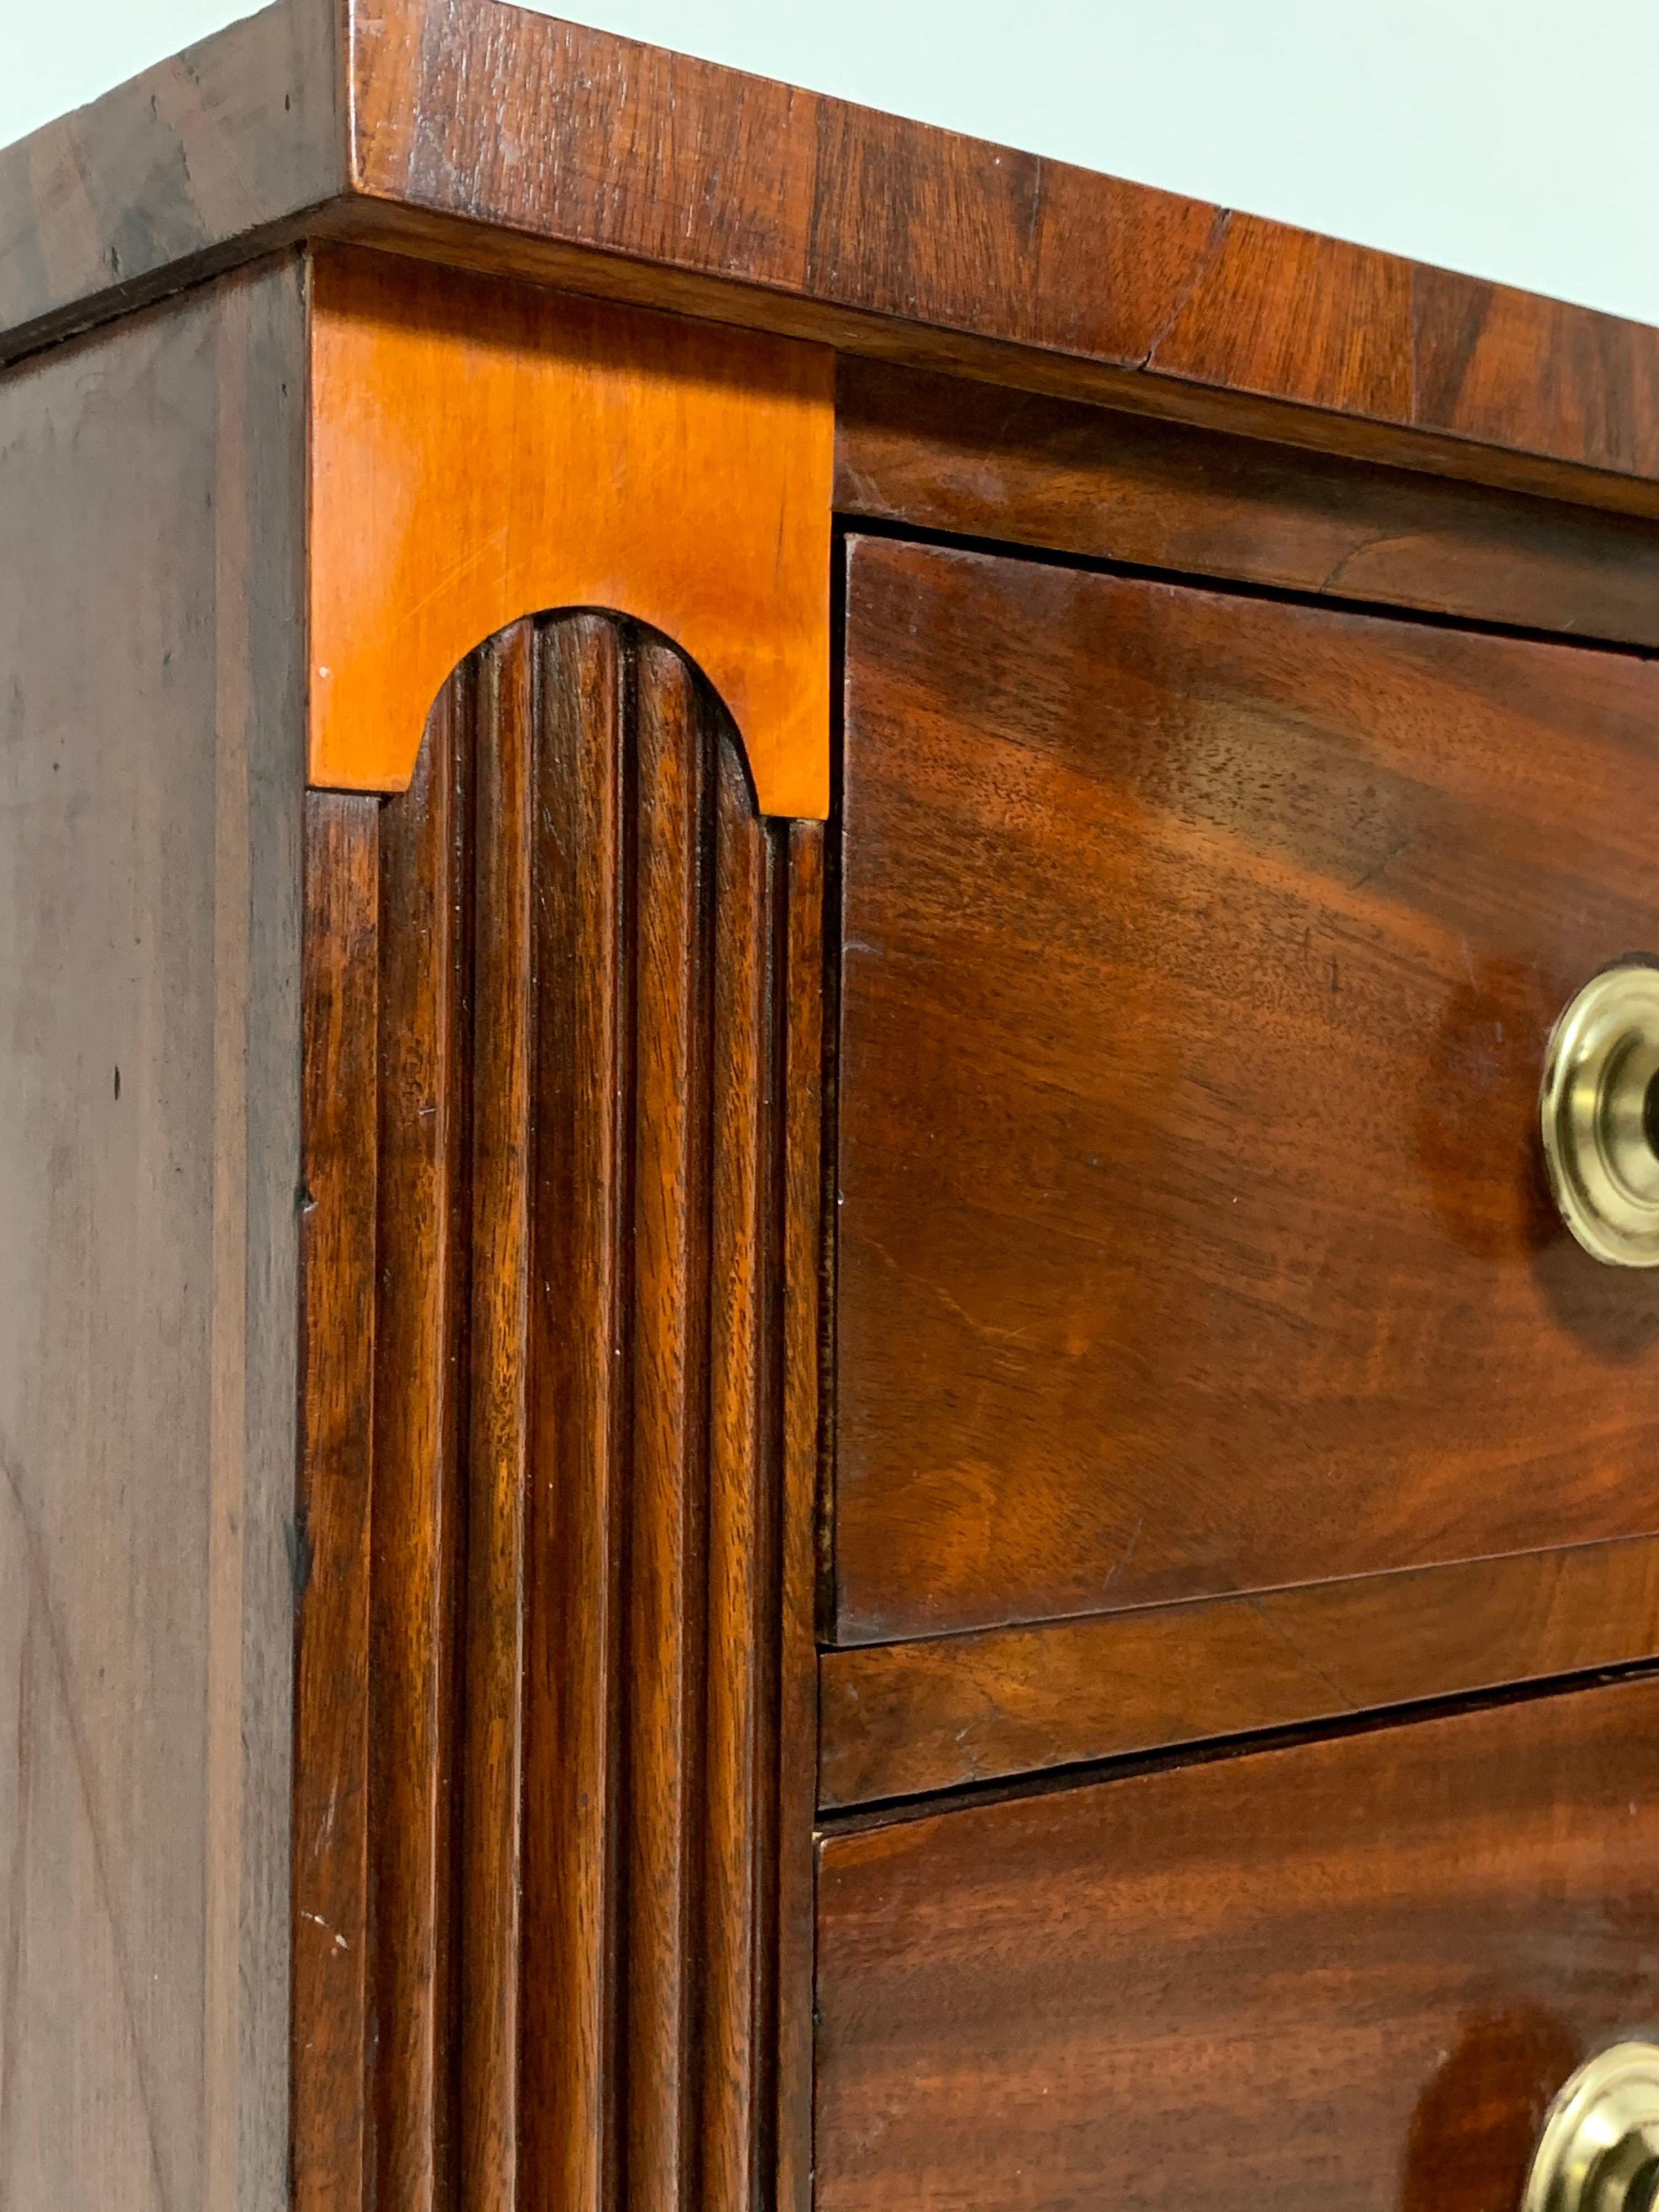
{"x":800,"y":1405}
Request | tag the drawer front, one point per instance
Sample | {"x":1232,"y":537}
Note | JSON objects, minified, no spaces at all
{"x":1338,"y":1977}
{"x":1200,"y":954}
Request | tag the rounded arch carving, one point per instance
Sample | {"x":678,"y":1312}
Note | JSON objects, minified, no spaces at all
{"x":479,"y":448}
{"x":642,"y":663}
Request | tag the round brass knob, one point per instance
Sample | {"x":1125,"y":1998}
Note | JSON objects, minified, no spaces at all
{"x":1599,"y":1107}
{"x":1599,"y":2151}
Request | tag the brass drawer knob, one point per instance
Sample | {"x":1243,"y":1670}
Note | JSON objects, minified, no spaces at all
{"x":1599,"y":1107}
{"x":1599,"y":2150}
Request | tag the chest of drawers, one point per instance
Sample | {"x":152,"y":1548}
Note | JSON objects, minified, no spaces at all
{"x":793,"y":1407}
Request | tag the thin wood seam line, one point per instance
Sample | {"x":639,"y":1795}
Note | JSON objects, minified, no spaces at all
{"x":1036,"y":1624}
{"x":912,"y":1718}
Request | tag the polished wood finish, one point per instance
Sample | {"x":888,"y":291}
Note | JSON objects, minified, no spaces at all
{"x":332,"y":1993}
{"x":1351,"y":1973}
{"x":480,"y":450}
{"x":903,"y":1720}
{"x":944,"y":453}
{"x":149,"y":800}
{"x":1198,"y":1354}
{"x":420,"y":1024}
{"x":889,"y":237}
{"x":563,"y":1211}
{"x":474,"y":132}
{"x":805,"y":1202}
{"x":1200,"y":954}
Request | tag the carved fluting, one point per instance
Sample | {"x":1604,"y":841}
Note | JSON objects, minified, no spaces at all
{"x":589,"y":1608}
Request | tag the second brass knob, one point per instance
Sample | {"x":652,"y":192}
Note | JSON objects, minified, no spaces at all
{"x":1599,"y":2149}
{"x":1599,"y":1114}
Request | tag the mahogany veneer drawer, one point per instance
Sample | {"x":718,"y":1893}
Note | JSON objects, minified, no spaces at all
{"x":1348,"y":1974}
{"x":1201,"y":953}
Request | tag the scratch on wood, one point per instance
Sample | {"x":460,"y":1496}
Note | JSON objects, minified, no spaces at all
{"x":1206,"y":261}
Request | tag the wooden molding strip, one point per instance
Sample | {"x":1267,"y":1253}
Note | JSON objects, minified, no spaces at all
{"x":898,"y":1720}
{"x":940,"y":452}
{"x":482,"y":450}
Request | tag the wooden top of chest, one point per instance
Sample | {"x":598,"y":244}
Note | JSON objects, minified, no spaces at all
{"x":475,"y":132}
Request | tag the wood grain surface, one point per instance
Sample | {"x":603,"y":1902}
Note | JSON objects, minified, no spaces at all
{"x":1200,"y":954}
{"x":572,"y":1674}
{"x":204,"y":159}
{"x":151,"y":756}
{"x":878,"y":232}
{"x":483,"y":134}
{"x":900,"y":1720}
{"x":947,"y":453}
{"x":481,"y":449}
{"x":802,"y":1410}
{"x":1348,"y":1974}
{"x":334,"y":1988}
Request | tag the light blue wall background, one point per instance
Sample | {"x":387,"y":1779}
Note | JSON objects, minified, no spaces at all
{"x":1513,"y":139}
